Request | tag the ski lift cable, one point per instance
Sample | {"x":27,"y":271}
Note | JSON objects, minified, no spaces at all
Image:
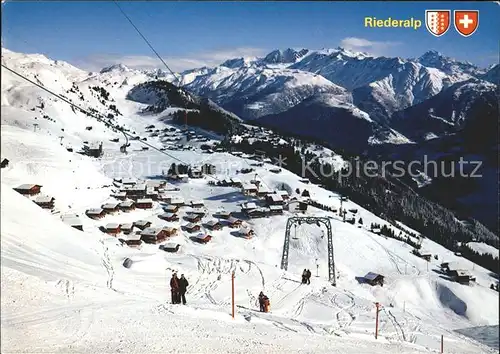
{"x":100,"y":119}
{"x":148,"y":43}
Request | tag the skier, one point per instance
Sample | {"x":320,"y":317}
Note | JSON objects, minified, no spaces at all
{"x":308,"y":276}
{"x":174,"y":288}
{"x":183,"y":284}
{"x":304,"y":276}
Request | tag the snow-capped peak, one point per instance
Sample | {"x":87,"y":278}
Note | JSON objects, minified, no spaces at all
{"x":239,"y":62}
{"x":115,"y":67}
{"x":285,"y":56}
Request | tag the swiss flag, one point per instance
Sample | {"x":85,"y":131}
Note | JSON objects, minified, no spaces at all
{"x":466,"y":21}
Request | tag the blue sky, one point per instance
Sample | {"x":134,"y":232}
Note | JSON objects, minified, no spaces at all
{"x":191,"y":34}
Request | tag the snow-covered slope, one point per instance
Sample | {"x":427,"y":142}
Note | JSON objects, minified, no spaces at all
{"x":65,"y":290}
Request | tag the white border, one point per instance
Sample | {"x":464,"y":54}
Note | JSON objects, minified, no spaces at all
{"x":455,"y":24}
{"x":427,"y":25}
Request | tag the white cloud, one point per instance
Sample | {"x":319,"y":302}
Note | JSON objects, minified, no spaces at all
{"x":176,"y":63}
{"x":364,"y":45}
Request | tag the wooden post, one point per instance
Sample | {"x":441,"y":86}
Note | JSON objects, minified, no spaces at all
{"x":232,"y":294}
{"x":442,"y":344}
{"x":376,"y":320}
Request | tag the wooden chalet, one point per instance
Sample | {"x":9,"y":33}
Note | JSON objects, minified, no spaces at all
{"x":258,"y":213}
{"x":246,"y":207}
{"x":171,"y":208}
{"x":169,"y":217}
{"x":274,"y":199}
{"x":126,"y":205}
{"x":128,"y":181}
{"x":119,"y":195}
{"x":45,"y":202}
{"x":170,"y":231}
{"x":193,"y":218}
{"x":133,"y":240}
{"x":153,"y":235}
{"x":192,"y":227}
{"x":234,"y":222}
{"x":142,"y":224}
{"x":28,"y":189}
{"x":155,"y":184}
{"x":374,"y":279}
{"x":246,"y":232}
{"x":214,"y":225}
{"x":170,"y":247}
{"x":144,"y":203}
{"x":461,"y":276}
{"x":135,"y":191}
{"x":263,"y":191}
{"x":284,"y":195}
{"x":197,"y":203}
{"x":249,"y":189}
{"x":112,"y":228}
{"x":110,"y":208}
{"x":97,"y":213}
{"x":152,"y":194}
{"x":276,"y":209}
{"x":202,"y":238}
{"x":179,"y":201}
{"x":73,"y":221}
{"x":127,"y":228}
{"x":426,"y":256}
{"x":222,"y":214}
{"x":236,"y":182}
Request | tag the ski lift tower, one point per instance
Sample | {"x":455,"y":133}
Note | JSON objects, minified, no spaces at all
{"x":298,"y":220}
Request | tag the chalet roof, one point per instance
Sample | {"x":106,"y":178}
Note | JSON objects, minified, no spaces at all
{"x":282,"y":193}
{"x":94,"y":211}
{"x":250,"y":187}
{"x":168,"y":215}
{"x":192,"y":216}
{"x":244,"y":230}
{"x":94,"y":146}
{"x":133,"y":237}
{"x":110,"y":205}
{"x":168,"y":229}
{"x":183,"y":176}
{"x":201,"y":236}
{"x":44,"y":199}
{"x":128,"y":181}
{"x":170,"y":207}
{"x":232,"y":220}
{"x":275,"y":207}
{"x":372,"y":276}
{"x":144,"y":201}
{"x":275,"y":197}
{"x":463,"y":273}
{"x":128,"y":226}
{"x":171,"y":245}
{"x":223,"y":212}
{"x":27,"y":186}
{"x":154,"y":183}
{"x":250,"y":205}
{"x":126,"y":204}
{"x":190,"y":225}
{"x":71,"y":220}
{"x":112,"y":225}
{"x":212,"y":222}
{"x":198,"y":202}
{"x":236,"y":180}
{"x":264,"y":189}
{"x":142,"y":222}
{"x":150,"y":231}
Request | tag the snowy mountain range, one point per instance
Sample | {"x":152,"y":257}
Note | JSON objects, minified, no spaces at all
{"x":255,"y":88}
